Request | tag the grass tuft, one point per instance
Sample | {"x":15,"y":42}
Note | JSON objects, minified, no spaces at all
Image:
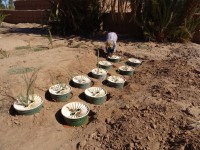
{"x":23,"y":47}
{"x":4,"y":54}
{"x":21,"y":70}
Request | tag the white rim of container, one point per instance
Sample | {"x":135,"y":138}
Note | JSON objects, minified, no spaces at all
{"x":114,"y":57}
{"x":77,"y":78}
{"x":38,"y":101}
{"x":105,"y":63}
{"x":67,"y":90}
{"x":129,"y":68}
{"x":110,"y":79}
{"x":134,"y":60}
{"x":104,"y":72}
{"x":88,"y":91}
{"x":65,"y":111}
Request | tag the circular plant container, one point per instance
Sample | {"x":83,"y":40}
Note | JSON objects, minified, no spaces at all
{"x":114,"y":58}
{"x":126,"y":70}
{"x":134,"y":62}
{"x":75,"y":113}
{"x":95,"y":95}
{"x":105,"y":64}
{"x":99,"y":73}
{"x":32,"y":108}
{"x":60,"y":92}
{"x":116,"y":82}
{"x":81,"y":81}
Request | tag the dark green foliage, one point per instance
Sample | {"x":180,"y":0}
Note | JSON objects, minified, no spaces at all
{"x":160,"y":20}
{"x":171,"y":20}
{"x":185,"y":22}
{"x":2,"y":17}
{"x":156,"y":17}
{"x":75,"y":16}
{"x":1,"y":5}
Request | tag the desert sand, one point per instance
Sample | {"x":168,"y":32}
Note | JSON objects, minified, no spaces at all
{"x":159,"y":107}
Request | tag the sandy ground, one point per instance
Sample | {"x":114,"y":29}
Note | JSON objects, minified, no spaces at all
{"x":159,"y":108}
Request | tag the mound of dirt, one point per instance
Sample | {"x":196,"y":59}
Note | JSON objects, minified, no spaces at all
{"x":159,"y":107}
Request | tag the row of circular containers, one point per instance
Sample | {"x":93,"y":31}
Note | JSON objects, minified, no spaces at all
{"x":57,"y":97}
{"x":131,"y":61}
{"x":63,"y":92}
{"x":107,"y":65}
{"x":74,"y":113}
{"x":123,"y":70}
{"x":84,"y":82}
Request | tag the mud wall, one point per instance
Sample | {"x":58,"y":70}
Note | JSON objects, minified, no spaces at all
{"x":32,"y":4}
{"x":26,"y":16}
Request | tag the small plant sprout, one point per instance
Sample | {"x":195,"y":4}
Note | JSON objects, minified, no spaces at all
{"x":2,"y":17}
{"x":49,"y":37}
{"x":28,"y":98}
{"x":60,"y":88}
{"x":79,"y":60}
{"x":97,"y":60}
{"x":4,"y":54}
{"x":23,"y":47}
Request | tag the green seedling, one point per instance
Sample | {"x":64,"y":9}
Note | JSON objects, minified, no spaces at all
{"x":4,"y":54}
{"x":28,"y":98}
{"x":50,"y":38}
{"x":78,"y":58}
{"x":39,"y":48}
{"x":98,"y":60}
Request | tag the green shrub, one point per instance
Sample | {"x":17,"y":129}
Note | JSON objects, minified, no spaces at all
{"x":2,"y":17}
{"x":75,"y":16}
{"x":159,"y":20}
{"x":171,"y":20}
{"x":185,"y":23}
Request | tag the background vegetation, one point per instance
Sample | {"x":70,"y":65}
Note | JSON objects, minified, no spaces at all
{"x":171,"y":20}
{"x":75,"y":16}
{"x":160,"y":20}
{"x":6,"y":4}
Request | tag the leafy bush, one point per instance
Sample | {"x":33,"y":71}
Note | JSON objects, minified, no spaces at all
{"x":185,"y":22}
{"x":171,"y":20}
{"x":1,"y":5}
{"x":75,"y":16}
{"x":160,"y":20}
{"x":2,"y":17}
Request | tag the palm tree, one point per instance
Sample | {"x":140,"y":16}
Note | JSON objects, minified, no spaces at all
{"x":1,"y":5}
{"x":10,"y":4}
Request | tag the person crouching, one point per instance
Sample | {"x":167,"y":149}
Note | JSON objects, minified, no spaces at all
{"x":111,"y":42}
